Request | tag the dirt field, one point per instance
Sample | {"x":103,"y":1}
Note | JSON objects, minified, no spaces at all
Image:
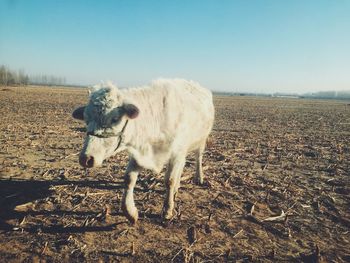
{"x":277,"y":187}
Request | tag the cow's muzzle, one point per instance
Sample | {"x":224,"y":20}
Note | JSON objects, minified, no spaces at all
{"x":86,"y":160}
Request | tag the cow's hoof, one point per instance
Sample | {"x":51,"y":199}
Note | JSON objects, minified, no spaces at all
{"x":167,"y":214}
{"x":198,"y":181}
{"x":131,"y":214}
{"x":131,"y":219}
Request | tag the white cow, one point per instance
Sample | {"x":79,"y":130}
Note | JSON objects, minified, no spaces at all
{"x":157,"y":124}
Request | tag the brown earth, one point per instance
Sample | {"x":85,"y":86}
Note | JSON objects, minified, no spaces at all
{"x":266,"y":157}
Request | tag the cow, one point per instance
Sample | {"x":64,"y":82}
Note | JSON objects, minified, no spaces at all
{"x":158,"y":125}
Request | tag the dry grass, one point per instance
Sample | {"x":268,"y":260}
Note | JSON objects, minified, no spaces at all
{"x":277,"y":187}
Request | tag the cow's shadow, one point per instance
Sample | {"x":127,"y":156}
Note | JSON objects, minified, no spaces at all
{"x":78,"y":129}
{"x":17,"y":192}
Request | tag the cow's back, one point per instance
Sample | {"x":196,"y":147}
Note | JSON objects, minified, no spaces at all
{"x":174,"y":110}
{"x":189,"y":113}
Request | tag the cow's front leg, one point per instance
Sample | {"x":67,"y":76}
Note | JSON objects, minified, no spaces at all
{"x":172,"y":181}
{"x":128,"y":204}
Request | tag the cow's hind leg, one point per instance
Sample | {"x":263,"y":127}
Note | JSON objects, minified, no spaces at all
{"x":172,"y":183}
{"x":199,"y":169}
{"x":128,"y":204}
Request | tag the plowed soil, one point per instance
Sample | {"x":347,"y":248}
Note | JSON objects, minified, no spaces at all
{"x":277,"y":187}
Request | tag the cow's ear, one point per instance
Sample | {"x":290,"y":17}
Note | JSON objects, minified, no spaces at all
{"x":78,"y":113}
{"x":131,"y":110}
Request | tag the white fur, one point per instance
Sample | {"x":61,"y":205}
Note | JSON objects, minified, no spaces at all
{"x":175,"y":117}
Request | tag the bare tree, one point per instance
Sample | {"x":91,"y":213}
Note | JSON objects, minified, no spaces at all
{"x":10,"y":77}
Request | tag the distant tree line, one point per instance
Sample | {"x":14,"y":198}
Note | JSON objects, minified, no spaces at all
{"x":10,"y":77}
{"x":47,"y":80}
{"x":339,"y":95}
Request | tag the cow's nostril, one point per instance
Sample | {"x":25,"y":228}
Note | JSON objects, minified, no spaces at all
{"x":90,"y":161}
{"x":86,"y":161}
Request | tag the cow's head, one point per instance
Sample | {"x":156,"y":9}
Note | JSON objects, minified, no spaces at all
{"x":106,"y":116}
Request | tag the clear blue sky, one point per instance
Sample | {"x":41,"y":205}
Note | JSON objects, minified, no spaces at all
{"x":256,"y":46}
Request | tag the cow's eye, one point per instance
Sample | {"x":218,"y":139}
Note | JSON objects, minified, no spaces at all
{"x":115,"y":120}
